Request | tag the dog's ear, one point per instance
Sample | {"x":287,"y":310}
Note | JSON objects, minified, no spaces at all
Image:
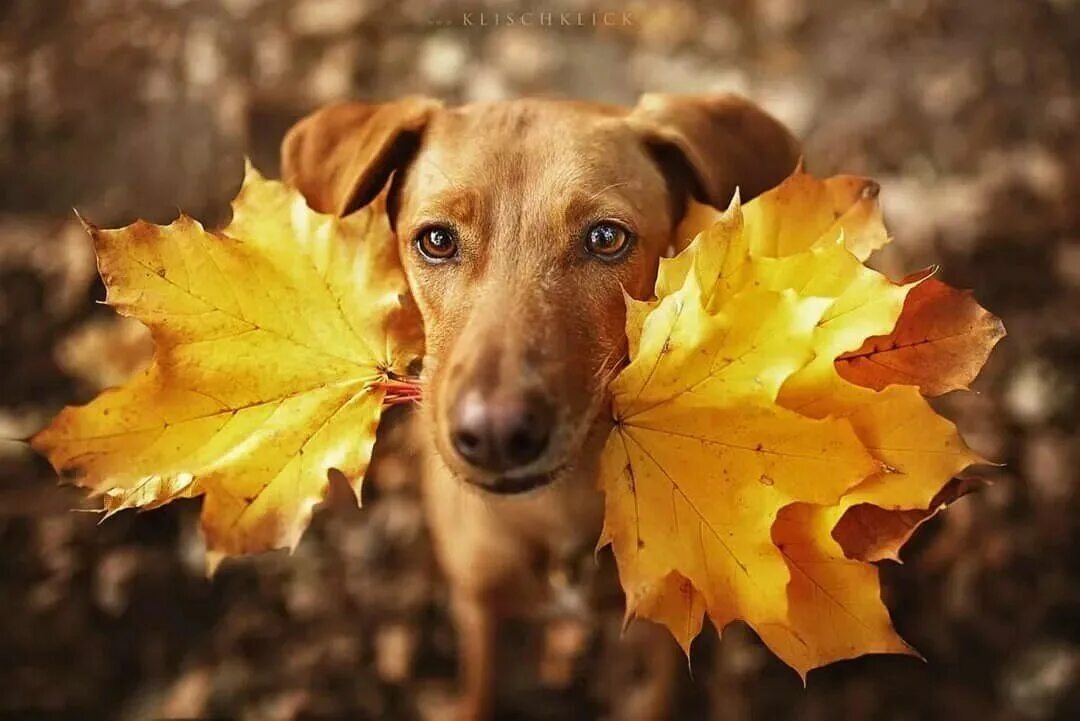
{"x":710,"y":144}
{"x":341,"y":156}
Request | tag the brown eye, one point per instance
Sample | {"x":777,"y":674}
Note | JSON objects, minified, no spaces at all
{"x":437,"y":244}
{"x":607,"y":240}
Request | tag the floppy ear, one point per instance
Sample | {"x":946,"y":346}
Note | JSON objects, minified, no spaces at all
{"x":341,"y":156}
{"x":715,"y":143}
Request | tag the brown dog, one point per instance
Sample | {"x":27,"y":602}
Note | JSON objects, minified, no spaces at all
{"x":520,"y":224}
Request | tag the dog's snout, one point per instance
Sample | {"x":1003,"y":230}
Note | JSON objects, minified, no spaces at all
{"x":500,"y":432}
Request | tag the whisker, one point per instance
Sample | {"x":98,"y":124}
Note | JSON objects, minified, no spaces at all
{"x":445,"y":175}
{"x":602,"y":368}
{"x":610,"y":367}
{"x":607,"y":188}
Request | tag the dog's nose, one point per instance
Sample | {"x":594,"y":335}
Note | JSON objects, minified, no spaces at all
{"x":501,"y":433}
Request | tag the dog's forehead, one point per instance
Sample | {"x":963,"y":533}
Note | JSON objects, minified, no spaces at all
{"x":525,"y":142}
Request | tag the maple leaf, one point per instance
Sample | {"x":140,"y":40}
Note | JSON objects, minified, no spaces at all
{"x":272,"y":342}
{"x":738,"y":448}
{"x":940,"y":343}
{"x":870,"y":533}
{"x":703,"y":457}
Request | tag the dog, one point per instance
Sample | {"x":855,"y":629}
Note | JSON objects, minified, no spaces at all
{"x":521,"y":224}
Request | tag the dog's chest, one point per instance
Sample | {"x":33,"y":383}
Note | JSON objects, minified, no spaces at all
{"x":513,"y":546}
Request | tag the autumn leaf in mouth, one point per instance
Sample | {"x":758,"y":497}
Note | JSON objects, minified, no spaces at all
{"x":742,"y":442}
{"x":771,"y":435}
{"x":276,"y":342}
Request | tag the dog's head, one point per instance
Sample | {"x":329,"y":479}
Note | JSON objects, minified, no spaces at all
{"x":520,"y":224}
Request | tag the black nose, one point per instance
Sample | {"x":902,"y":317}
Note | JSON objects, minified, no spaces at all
{"x":499,"y":434}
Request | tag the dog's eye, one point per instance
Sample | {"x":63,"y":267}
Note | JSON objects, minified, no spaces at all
{"x":607,"y":240}
{"x":437,"y":243}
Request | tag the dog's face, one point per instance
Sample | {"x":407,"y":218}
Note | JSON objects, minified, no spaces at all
{"x":520,"y":225}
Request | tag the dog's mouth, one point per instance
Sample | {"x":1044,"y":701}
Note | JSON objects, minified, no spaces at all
{"x":512,"y":485}
{"x":509,"y":482}
{"x":515,"y":485}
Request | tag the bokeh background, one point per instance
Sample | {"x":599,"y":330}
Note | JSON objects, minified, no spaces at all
{"x":967,"y":111}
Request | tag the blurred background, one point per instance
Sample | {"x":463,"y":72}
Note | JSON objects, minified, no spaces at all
{"x":967,"y":111}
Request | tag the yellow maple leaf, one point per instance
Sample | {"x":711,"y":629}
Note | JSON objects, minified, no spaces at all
{"x":779,"y":567}
{"x":703,"y":457}
{"x":271,"y":340}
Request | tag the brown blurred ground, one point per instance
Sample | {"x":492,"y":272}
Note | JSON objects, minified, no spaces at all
{"x":966,"y":110}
